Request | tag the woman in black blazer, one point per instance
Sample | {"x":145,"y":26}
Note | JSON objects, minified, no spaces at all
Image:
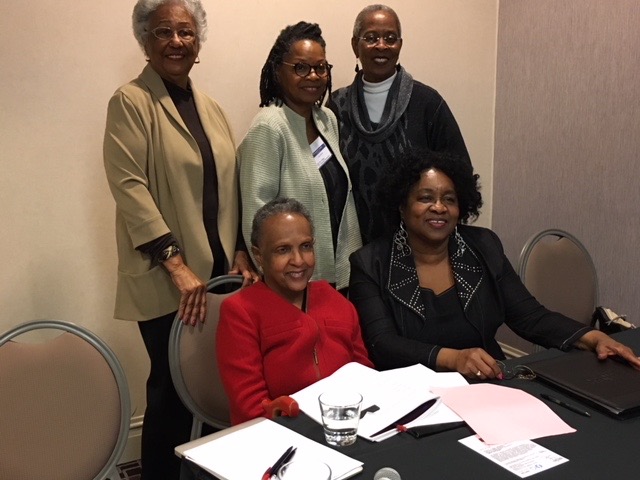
{"x":436,"y":290}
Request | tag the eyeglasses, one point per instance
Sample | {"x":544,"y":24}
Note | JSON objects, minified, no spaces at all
{"x":167,"y":33}
{"x":521,"y":372}
{"x":304,"y":69}
{"x":373,"y":38}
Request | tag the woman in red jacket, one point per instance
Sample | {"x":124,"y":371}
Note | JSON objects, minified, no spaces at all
{"x":284,"y":333}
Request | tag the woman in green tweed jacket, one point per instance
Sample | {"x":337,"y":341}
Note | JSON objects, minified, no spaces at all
{"x":291,"y":150}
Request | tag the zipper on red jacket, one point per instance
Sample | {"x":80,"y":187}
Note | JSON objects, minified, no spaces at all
{"x":316,"y":363}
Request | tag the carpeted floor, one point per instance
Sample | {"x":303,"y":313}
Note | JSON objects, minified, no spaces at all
{"x":130,"y":470}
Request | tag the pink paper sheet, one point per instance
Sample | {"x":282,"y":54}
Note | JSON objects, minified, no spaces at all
{"x":502,"y":414}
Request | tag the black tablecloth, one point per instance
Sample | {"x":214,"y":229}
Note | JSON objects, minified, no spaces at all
{"x":602,"y":447}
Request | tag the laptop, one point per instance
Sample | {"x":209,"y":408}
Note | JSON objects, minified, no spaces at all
{"x":610,"y":385}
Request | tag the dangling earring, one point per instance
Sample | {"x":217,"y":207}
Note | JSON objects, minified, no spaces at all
{"x":400,"y":240}
{"x":357,"y":69}
{"x":197,"y":59}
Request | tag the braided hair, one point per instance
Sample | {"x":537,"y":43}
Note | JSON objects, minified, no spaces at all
{"x":270,"y":89}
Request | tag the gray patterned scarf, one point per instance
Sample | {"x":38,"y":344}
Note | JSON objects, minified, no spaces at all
{"x":397,"y":102}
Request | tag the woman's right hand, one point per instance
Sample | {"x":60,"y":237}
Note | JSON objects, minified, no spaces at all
{"x":193,"y":291}
{"x":470,"y":362}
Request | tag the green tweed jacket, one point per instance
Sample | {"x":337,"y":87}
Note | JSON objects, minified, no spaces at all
{"x":276,"y":161}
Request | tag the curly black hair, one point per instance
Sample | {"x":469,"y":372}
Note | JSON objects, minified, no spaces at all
{"x":270,"y":90}
{"x":404,"y":172}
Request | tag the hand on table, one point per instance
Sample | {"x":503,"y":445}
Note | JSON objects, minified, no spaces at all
{"x":604,"y":346}
{"x":470,"y":362}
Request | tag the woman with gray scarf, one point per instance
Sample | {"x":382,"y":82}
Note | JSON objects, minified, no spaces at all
{"x":385,"y":112}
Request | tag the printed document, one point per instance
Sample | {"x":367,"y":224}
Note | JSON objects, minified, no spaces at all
{"x":524,"y":458}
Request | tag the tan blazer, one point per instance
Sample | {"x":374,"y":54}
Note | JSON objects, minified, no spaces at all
{"x":154,"y":169}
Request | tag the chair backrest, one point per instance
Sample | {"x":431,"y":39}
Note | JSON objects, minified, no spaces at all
{"x":64,"y":402}
{"x":558,"y":270}
{"x":194,"y":366}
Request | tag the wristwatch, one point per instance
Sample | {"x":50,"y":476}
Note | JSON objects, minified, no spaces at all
{"x":170,"y":251}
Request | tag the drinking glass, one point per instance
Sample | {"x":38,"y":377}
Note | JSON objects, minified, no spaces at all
{"x":340,"y":415}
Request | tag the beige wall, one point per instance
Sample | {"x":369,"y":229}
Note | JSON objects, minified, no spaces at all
{"x":568,"y":133}
{"x":66,"y":58}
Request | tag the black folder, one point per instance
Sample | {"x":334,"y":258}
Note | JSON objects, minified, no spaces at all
{"x":610,"y":385}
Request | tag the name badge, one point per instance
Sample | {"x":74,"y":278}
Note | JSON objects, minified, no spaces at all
{"x":321,"y":153}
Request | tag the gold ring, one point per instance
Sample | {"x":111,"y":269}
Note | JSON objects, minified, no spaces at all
{"x":479,"y":373}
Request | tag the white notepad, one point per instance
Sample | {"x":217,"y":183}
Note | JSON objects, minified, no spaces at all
{"x":245,"y":453}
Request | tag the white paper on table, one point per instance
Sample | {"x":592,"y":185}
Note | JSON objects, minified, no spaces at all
{"x":246,"y":452}
{"x":524,"y":458}
{"x":396,"y":393}
{"x":424,"y":376}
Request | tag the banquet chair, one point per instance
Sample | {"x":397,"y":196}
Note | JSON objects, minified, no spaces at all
{"x":64,"y":402}
{"x":558,"y":270}
{"x":193,"y":363}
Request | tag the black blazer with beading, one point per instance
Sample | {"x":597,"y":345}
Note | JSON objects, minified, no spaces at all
{"x":385,"y":290}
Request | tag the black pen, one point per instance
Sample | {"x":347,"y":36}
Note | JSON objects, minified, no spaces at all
{"x":568,"y":406}
{"x":284,"y":458}
{"x":409,"y":417}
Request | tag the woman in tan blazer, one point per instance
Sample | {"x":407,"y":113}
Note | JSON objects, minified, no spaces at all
{"x":170,"y":162}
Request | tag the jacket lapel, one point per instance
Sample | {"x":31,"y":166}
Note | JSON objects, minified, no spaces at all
{"x":157,"y":88}
{"x":467,"y":269}
{"x":403,"y":284}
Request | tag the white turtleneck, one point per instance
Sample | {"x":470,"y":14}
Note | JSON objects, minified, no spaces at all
{"x":375,"y":96}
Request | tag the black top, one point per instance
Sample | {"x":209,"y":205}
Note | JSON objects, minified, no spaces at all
{"x":445,"y":323}
{"x":337,"y":187}
{"x":183,"y":100}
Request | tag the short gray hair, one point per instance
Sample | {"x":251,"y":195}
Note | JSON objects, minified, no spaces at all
{"x":377,"y":7}
{"x":275,"y":207}
{"x":144,"y":9}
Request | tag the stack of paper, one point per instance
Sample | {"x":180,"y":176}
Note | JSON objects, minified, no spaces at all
{"x":247,"y":450}
{"x":395,"y":393}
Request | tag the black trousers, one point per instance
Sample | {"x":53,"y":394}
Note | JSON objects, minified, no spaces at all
{"x":167,"y":422}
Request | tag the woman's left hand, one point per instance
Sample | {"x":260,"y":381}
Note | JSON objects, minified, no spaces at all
{"x":605,"y":347}
{"x":242,"y":266}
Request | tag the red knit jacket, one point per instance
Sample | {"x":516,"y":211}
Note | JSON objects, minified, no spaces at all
{"x":267,"y":347}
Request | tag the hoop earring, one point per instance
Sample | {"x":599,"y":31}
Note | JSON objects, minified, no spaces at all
{"x":197,"y":60}
{"x":400,"y":240}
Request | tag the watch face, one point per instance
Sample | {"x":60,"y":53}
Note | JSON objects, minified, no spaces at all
{"x":170,"y":251}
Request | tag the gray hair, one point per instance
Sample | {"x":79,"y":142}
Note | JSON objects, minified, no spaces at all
{"x":378,"y":7}
{"x":275,"y":207}
{"x":144,"y":10}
